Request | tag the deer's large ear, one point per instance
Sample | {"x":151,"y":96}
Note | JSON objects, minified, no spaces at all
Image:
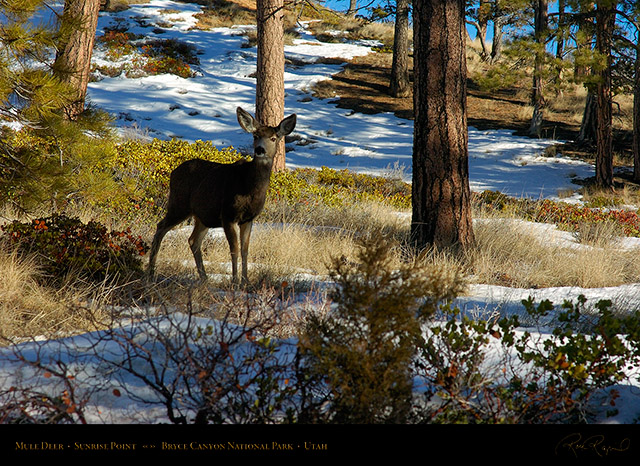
{"x":287,"y":125}
{"x":246,"y":120}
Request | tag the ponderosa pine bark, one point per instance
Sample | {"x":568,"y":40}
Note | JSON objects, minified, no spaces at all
{"x":537,"y":95}
{"x":270,"y":69}
{"x":605,"y":24}
{"x":75,"y":47}
{"x":441,"y":214}
{"x":399,"y":85}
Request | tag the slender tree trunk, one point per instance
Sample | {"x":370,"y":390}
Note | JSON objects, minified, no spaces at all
{"x":483,"y":19}
{"x":560,"y":33}
{"x":482,"y":36}
{"x":353,"y":7}
{"x":496,"y":45}
{"x":441,"y":196}
{"x":587,"y":132}
{"x":399,"y":85}
{"x":73,"y":61}
{"x":270,"y":69}
{"x":636,"y":117}
{"x":560,"y":38}
{"x":537,"y":94}
{"x":584,"y":37}
{"x":605,"y":23}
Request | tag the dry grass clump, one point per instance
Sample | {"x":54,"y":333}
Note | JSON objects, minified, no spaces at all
{"x":287,"y":244}
{"x":297,"y":245}
{"x":223,"y":13}
{"x":511,"y":253}
{"x":28,"y":308}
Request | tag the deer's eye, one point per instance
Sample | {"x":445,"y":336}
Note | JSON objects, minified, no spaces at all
{"x":273,"y":139}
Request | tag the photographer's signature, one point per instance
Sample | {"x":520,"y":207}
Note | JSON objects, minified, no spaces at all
{"x":594,"y":444}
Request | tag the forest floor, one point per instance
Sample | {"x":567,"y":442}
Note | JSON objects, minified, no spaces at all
{"x":362,"y":86}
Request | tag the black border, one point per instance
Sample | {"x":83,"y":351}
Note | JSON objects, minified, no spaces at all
{"x":498,"y":443}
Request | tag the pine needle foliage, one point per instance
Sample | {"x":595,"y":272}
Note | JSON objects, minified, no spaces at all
{"x":362,"y":353}
{"x":43,"y":158}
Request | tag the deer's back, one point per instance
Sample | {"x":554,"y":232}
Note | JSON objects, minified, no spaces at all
{"x":217,"y":192}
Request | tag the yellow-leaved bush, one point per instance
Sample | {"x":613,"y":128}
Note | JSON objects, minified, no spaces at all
{"x":142,"y":170}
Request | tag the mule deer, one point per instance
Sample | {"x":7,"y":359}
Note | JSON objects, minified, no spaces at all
{"x":223,"y":195}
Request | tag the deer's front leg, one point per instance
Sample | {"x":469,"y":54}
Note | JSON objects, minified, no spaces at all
{"x":245,"y":236}
{"x":231,"y":232}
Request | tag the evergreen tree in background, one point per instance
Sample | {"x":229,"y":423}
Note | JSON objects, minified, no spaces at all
{"x":43,"y":156}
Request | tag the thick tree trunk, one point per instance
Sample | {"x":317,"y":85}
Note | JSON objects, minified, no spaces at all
{"x":605,"y":23}
{"x":75,"y":47}
{"x":537,"y":95}
{"x":270,"y":69}
{"x":440,"y":189}
{"x":399,"y":85}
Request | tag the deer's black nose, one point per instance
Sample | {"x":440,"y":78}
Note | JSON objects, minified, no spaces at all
{"x":259,"y":150}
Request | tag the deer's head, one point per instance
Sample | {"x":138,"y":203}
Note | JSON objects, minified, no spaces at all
{"x":265,"y":138}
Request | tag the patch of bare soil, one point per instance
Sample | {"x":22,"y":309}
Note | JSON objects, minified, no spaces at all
{"x":363,"y":86}
{"x":364,"y":82}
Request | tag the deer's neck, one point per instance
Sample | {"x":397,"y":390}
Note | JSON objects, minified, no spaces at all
{"x":254,"y":180}
{"x":261,"y":168}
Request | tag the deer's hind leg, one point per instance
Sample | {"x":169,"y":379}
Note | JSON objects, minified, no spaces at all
{"x":195,"y":243}
{"x":162,"y":229}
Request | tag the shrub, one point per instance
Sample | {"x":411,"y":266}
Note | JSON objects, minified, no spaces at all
{"x":52,"y":164}
{"x":337,"y":188}
{"x":149,"y":57}
{"x":118,"y":43}
{"x":566,"y":216}
{"x":142,"y":169}
{"x":584,"y":353}
{"x":362,"y":353}
{"x":169,"y":56}
{"x":64,"y":246}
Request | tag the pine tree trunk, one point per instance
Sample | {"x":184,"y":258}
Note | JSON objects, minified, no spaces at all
{"x":353,"y":7}
{"x":537,"y":95}
{"x":636,"y":117}
{"x":560,"y":38}
{"x":75,"y":47}
{"x":587,"y":132}
{"x":440,"y":189}
{"x":399,"y":85}
{"x":482,"y":36}
{"x":605,"y":23}
{"x":496,"y":45}
{"x":483,"y":20}
{"x":270,"y":69}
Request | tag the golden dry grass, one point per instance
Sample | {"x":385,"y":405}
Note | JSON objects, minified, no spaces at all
{"x":296,"y":255}
{"x":28,"y":308}
{"x":513,"y":253}
{"x":286,"y":244}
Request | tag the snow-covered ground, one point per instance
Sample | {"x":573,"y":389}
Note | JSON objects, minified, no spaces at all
{"x":203,"y":107}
